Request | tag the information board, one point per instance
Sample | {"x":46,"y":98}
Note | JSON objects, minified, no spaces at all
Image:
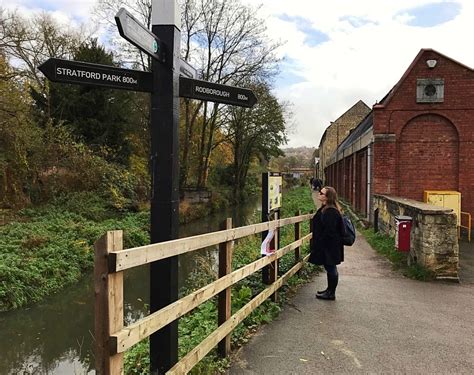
{"x":275,"y":189}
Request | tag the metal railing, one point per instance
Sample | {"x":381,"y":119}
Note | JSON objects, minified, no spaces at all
{"x":468,"y":226}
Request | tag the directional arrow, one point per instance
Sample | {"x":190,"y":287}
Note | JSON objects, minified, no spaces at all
{"x":213,"y":92}
{"x":67,"y":71}
{"x":187,"y":70}
{"x":138,"y":34}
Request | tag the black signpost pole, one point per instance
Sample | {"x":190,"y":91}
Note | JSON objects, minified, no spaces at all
{"x":265,"y":218}
{"x":164,"y":174}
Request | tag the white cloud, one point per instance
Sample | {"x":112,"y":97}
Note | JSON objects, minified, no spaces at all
{"x":362,"y":62}
{"x":78,"y":10}
{"x":369,"y":48}
{"x":66,"y":12}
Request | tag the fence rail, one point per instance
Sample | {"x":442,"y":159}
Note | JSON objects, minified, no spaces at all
{"x":137,"y":256}
{"x":113,"y":339}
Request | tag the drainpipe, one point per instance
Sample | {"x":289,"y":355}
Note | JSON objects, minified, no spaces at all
{"x":369,"y":179}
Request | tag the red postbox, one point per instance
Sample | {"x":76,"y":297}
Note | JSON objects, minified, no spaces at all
{"x":402,"y":232}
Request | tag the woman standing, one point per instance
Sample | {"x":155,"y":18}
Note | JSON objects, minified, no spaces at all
{"x":327,"y":248}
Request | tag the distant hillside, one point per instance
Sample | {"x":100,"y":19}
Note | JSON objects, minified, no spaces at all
{"x":295,"y":157}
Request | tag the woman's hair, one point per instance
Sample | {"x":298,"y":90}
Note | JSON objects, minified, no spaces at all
{"x":331,"y":196}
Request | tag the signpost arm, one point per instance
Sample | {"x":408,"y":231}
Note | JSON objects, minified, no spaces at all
{"x":165,"y":174}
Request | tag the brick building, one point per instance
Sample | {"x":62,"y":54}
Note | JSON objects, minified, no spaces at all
{"x":419,"y":137}
{"x":337,"y":132}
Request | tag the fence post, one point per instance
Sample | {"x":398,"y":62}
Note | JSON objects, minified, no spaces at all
{"x":108,"y":290}
{"x":224,"y":298}
{"x":297,"y":237}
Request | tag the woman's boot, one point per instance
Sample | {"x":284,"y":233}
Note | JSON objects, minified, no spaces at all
{"x":330,"y":294}
{"x":319,"y":292}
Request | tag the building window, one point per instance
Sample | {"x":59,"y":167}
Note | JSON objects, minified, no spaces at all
{"x":430,"y":90}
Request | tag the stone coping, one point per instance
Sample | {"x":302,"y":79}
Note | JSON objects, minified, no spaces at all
{"x":421,"y":206}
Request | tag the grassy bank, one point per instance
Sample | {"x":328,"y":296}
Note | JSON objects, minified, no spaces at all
{"x":195,"y":326}
{"x":51,"y":247}
{"x":385,"y":245}
{"x":46,"y":248}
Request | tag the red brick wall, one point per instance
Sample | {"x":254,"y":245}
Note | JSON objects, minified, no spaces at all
{"x":361,"y":160}
{"x":384,"y":177}
{"x":422,"y":146}
{"x":428,"y":157}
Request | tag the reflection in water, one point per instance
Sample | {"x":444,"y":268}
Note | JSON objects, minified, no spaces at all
{"x":56,"y":336}
{"x":38,"y":340}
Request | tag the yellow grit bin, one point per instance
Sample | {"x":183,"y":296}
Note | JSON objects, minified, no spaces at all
{"x":445,"y":198}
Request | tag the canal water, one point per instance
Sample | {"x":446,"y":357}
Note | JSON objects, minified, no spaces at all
{"x":56,"y":335}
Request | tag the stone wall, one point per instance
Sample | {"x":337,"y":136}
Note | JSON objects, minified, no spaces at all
{"x":196,"y":196}
{"x":338,"y":131}
{"x":434,"y":241}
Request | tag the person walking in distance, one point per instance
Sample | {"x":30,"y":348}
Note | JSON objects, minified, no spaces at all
{"x":327,"y":248}
{"x":318,"y":184}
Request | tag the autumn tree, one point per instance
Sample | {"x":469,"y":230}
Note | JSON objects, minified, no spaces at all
{"x":42,"y":138}
{"x":27,"y":42}
{"x":258,"y":132}
{"x":228,"y":42}
{"x":18,"y":138}
{"x":99,"y":117}
{"x":31,"y":41}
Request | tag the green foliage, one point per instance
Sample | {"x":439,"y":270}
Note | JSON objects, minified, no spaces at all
{"x":99,"y":117}
{"x":385,"y":245}
{"x":87,"y":204}
{"x":418,"y":272}
{"x":137,"y":359}
{"x":219,"y":199}
{"x":18,"y":139}
{"x":68,"y":166}
{"x":253,"y":133}
{"x":53,"y":247}
{"x":221,"y":174}
{"x":190,"y":212}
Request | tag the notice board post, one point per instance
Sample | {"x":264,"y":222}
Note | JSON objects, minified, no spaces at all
{"x":272,"y":185}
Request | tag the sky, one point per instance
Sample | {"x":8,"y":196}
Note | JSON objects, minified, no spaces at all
{"x":336,"y":52}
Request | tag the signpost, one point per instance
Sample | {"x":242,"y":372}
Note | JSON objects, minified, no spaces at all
{"x":165,"y":85}
{"x":164,"y":222}
{"x":132,"y":30}
{"x":203,"y":90}
{"x":66,"y":71}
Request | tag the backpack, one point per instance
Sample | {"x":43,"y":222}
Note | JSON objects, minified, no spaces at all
{"x":349,"y":235}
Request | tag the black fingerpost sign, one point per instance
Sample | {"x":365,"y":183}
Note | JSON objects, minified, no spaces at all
{"x":203,"y":90}
{"x":138,"y":34}
{"x":78,"y":72}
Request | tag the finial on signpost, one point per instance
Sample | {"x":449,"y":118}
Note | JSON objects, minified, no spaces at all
{"x":166,"y":12}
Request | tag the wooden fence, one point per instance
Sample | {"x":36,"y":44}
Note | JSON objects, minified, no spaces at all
{"x":113,"y":339}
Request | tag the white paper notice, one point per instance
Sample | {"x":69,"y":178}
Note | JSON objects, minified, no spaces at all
{"x":265,"y":248}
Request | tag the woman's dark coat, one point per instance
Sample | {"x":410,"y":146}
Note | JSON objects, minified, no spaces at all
{"x":327,"y":247}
